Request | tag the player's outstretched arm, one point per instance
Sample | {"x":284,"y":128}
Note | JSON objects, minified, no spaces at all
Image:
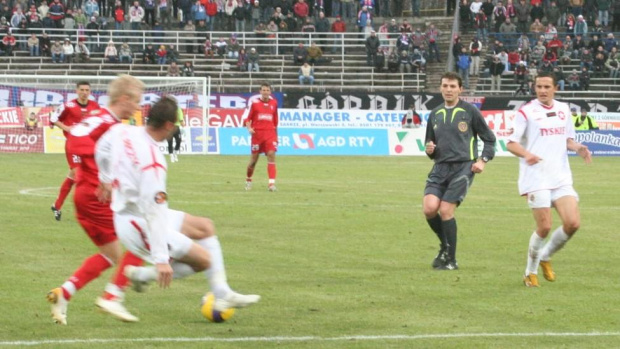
{"x":580,"y":149}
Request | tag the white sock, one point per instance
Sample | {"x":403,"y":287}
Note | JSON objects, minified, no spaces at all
{"x":69,"y":287}
{"x":216,"y":274}
{"x":148,"y":274}
{"x":181,"y":270}
{"x":533,"y":255}
{"x":115,"y":291}
{"x":557,"y":240}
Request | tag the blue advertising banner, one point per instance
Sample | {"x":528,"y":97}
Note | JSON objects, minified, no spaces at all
{"x":313,"y":141}
{"x":197,"y":137}
{"x":600,"y":142}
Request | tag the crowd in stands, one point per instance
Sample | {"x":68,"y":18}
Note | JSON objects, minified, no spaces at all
{"x":572,"y":38}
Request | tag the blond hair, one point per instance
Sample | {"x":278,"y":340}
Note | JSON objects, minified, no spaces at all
{"x":124,"y":85}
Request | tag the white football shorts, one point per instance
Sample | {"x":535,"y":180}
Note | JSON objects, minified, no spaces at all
{"x":132,"y":231}
{"x":545,"y":198}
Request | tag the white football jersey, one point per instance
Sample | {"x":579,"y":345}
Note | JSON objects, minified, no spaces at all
{"x":138,"y":172}
{"x":543,"y":131}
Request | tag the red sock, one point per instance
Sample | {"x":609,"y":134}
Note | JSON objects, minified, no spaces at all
{"x":92,"y":267}
{"x":119,"y":279}
{"x":271,"y":170}
{"x":65,"y":189}
{"x":249,"y":173}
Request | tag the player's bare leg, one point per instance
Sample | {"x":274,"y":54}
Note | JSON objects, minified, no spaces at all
{"x":65,"y":189}
{"x":542,"y":217}
{"x":568,"y":210}
{"x":271,"y":170}
{"x":430,"y":207}
{"x":250,"y":170}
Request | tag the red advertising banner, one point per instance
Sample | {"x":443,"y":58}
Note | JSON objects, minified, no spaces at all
{"x":11,"y":117}
{"x":20,"y":140}
{"x":499,"y":121}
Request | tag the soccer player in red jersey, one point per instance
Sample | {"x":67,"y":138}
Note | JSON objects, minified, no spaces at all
{"x":67,"y":115}
{"x":92,"y":208}
{"x":262,"y":123}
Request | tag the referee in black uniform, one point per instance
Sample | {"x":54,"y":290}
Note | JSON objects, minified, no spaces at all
{"x":452,"y":133}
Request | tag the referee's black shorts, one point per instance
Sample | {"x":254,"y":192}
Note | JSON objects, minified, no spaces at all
{"x":450,"y":181}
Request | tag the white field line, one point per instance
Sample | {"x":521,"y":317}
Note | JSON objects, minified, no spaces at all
{"x":41,"y":192}
{"x":304,"y":338}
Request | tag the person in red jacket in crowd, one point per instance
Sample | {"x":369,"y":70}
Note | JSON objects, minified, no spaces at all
{"x":119,"y":16}
{"x":301,"y":11}
{"x":513,"y":59}
{"x":9,"y":44}
{"x":339,"y":26}
{"x":211,"y":9}
{"x":57,"y":13}
{"x":554,"y":45}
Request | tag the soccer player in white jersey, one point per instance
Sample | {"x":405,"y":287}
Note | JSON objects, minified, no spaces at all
{"x":130,"y":159}
{"x":543,"y":131}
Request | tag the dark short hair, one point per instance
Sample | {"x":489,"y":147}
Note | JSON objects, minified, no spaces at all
{"x":548,"y":75}
{"x":82,"y":83}
{"x":266,"y":84}
{"x":452,"y":76}
{"x":164,"y":110}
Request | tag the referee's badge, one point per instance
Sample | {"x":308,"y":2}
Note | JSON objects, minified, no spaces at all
{"x":463,"y":126}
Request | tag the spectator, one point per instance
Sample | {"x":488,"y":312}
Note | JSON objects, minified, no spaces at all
{"x":253,"y":60}
{"x":149,"y":12}
{"x":242,"y":60}
{"x":148,"y":55}
{"x":507,"y":32}
{"x":68,"y":51}
{"x":570,"y":24}
{"x":315,"y":54}
{"x":594,"y":44}
{"x":480,"y":23}
{"x":403,"y":42}
{"x":553,"y":14}
{"x":464,"y":16}
{"x":125,"y":53}
{"x":432,"y":35}
{"x":322,"y":26}
{"x":546,"y":67}
{"x":532,"y":72}
{"x":172,"y":55}
{"x":584,"y":79}
{"x":208,"y":48}
{"x":57,"y":13}
{"x":581,"y":27}
{"x":272,"y":33}
{"x":578,"y":46}
{"x":190,"y":29}
{"x":348,"y":9}
{"x":119,"y":15}
{"x":233,"y":47}
{"x":229,"y":7}
{"x":368,"y":29}
{"x":523,"y":42}
{"x":496,"y":68}
{"x":199,"y":12}
{"x":211,"y":11}
{"x":586,"y":59}
{"x":300,"y":54}
{"x":520,"y":74}
{"x":239,"y":14}
{"x":383,"y":34}
{"x":463,"y":64}
{"x":503,"y":57}
{"x":92,"y":31}
{"x":554,"y":45}
{"x":559,"y":77}
{"x":45,"y":45}
{"x":69,"y":22}
{"x":598,"y":66}
{"x":380,"y":60}
{"x":551,"y":58}
{"x":576,"y":7}
{"x":417,"y":39}
{"x":220,"y":47}
{"x":82,"y":53}
{"x":202,"y":31}
{"x":110,"y":54}
{"x":306,"y":74}
{"x":161,"y":55}
{"x":614,"y":9}
{"x":32,"y":122}
{"x":538,"y":52}
{"x":301,"y":11}
{"x":57,"y":52}
{"x":574,"y":83}
{"x":173,"y":69}
{"x":500,"y":14}
{"x":393,"y":62}
{"x":33,"y":45}
{"x":188,"y":69}
{"x":584,"y":121}
{"x":255,"y":14}
{"x":513,"y":59}
{"x":566,"y":53}
{"x":613,"y":63}
{"x":404,"y":62}
{"x":42,"y":10}
{"x":536,"y":12}
{"x":362,"y":17}
{"x":405,"y":27}
{"x":165,"y":13}
{"x":537,"y":28}
{"x":550,"y":32}
{"x":610,"y":42}
{"x":474,"y":48}
{"x":372,"y":45}
{"x":339,"y":27}
{"x":522,"y":10}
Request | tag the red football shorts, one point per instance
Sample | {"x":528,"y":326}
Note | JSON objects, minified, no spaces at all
{"x":264,"y":141}
{"x":95,"y":217}
{"x":72,"y":159}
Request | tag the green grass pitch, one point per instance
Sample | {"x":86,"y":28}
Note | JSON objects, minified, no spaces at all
{"x":340,"y":254}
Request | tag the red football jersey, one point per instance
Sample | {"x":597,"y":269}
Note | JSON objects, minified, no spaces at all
{"x":263,"y":115}
{"x":72,"y":112}
{"x":82,"y":140}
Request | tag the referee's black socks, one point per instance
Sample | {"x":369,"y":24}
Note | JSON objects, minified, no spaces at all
{"x":449,"y":230}
{"x":436,"y":226}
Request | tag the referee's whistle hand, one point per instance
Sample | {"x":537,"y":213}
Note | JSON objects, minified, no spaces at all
{"x":430,"y":147}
